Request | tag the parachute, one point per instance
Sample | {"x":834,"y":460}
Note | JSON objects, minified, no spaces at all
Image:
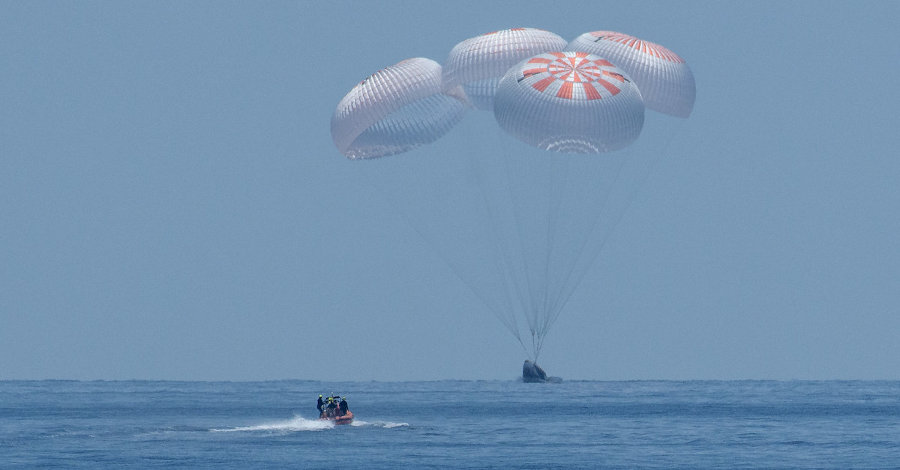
{"x":519,"y":220}
{"x":395,"y":110}
{"x":664,"y":78}
{"x":478,"y":63}
{"x":569,"y":102}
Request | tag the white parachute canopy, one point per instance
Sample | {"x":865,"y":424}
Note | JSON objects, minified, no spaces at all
{"x":395,"y":110}
{"x":478,"y":63}
{"x":664,"y":78}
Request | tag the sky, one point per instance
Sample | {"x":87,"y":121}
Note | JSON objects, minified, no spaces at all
{"x":172,"y":205}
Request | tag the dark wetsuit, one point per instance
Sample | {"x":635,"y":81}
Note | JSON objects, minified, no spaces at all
{"x":344,"y":407}
{"x":319,"y":405}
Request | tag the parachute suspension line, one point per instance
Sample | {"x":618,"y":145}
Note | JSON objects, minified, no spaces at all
{"x":554,"y":202}
{"x":600,"y":229}
{"x":522,"y":281}
{"x":577,"y":270}
{"x":654,"y":158}
{"x":502,"y":258}
{"x":416,"y":225}
{"x":593,"y":169}
{"x":549,"y":172}
{"x":529,"y":284}
{"x":541,"y":255}
{"x":528,"y":354}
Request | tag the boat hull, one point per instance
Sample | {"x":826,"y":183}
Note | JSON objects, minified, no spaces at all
{"x":346,"y":419}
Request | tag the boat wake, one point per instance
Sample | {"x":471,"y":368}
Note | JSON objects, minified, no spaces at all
{"x":298,"y":423}
{"x":292,"y":425}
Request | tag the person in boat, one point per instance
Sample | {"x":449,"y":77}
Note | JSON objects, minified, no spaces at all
{"x":320,"y":405}
{"x":343,"y":407}
{"x":330,"y":408}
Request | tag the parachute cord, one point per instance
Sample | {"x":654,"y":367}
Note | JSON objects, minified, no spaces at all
{"x":551,"y":190}
{"x":578,"y":271}
{"x":525,"y":350}
{"x":558,"y":287}
{"x":505,"y":244}
{"x":605,"y":194}
{"x":655,"y":159}
{"x":501,"y":260}
{"x":539,"y":347}
{"x":409,"y":220}
{"x":554,"y":203}
{"x":519,"y":235}
{"x":529,"y":309}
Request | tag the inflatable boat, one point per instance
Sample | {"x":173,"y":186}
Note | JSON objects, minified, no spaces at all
{"x":347,"y":418}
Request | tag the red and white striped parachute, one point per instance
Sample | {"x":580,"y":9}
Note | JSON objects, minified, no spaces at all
{"x":664,"y":78}
{"x":569,"y":102}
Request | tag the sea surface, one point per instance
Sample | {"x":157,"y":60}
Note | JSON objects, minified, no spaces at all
{"x":451,"y":424}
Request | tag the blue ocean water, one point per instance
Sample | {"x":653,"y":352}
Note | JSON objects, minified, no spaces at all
{"x":455,"y":424}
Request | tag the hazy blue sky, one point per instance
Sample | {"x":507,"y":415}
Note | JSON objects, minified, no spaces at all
{"x":172,"y":206}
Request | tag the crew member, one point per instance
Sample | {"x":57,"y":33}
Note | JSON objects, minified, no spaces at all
{"x":320,"y":405}
{"x":344,"y":407}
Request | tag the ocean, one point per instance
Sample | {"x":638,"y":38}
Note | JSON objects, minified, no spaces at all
{"x":451,"y":424}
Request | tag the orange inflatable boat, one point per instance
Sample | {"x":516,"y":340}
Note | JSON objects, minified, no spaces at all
{"x":345,"y":419}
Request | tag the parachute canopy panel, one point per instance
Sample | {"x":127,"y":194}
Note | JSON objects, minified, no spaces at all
{"x":664,"y":78}
{"x":395,"y":110}
{"x":479,"y":63}
{"x":569,"y":102}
